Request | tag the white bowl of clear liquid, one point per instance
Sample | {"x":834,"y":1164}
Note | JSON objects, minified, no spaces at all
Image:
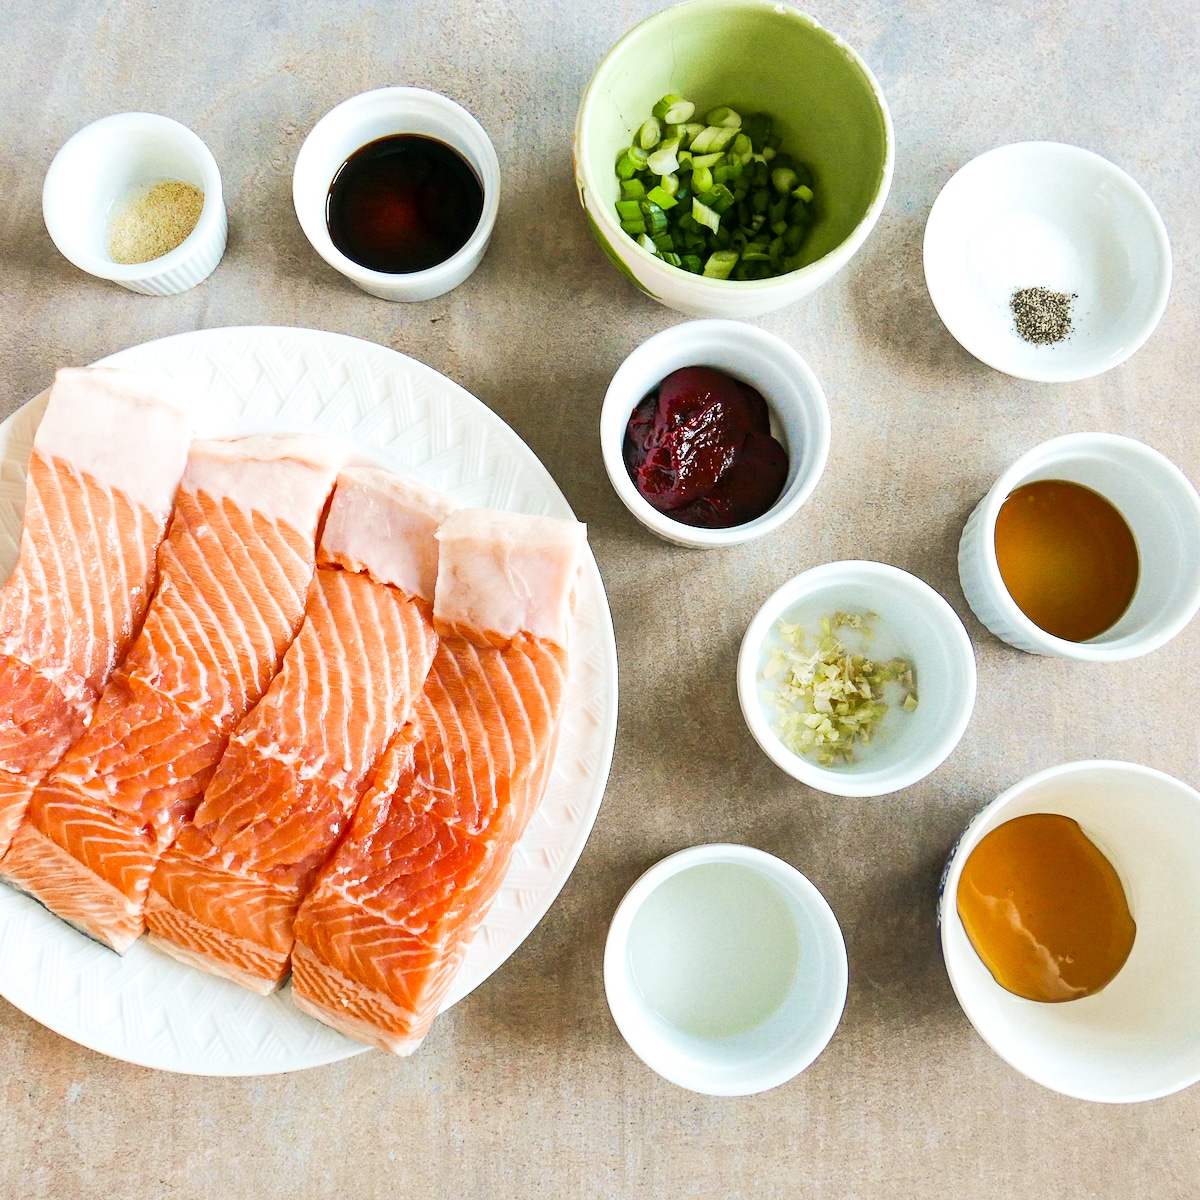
{"x":725,"y":970}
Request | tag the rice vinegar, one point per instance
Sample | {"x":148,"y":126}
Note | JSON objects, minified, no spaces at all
{"x":714,"y":950}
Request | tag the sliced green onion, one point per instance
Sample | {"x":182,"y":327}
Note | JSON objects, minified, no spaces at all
{"x":706,"y":140}
{"x":712,"y":137}
{"x":702,"y":196}
{"x":653,"y":216}
{"x":705,"y":215}
{"x":661,"y":197}
{"x":783,"y":179}
{"x":722,"y":199}
{"x":673,"y":109}
{"x":626,"y":167}
{"x":725,"y":117}
{"x":663,"y":161}
{"x":649,"y":135}
{"x":720,"y":263}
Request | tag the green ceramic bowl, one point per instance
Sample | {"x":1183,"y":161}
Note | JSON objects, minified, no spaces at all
{"x":754,"y":55}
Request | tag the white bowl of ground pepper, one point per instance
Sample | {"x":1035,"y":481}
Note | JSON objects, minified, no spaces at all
{"x":135,"y":198}
{"x":1046,"y":261}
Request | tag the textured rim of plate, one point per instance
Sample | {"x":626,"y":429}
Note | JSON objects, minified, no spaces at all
{"x":146,"y":1008}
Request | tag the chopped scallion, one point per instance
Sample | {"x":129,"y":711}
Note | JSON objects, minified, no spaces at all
{"x":705,"y":215}
{"x":720,"y":264}
{"x":673,"y":109}
{"x":718,"y":198}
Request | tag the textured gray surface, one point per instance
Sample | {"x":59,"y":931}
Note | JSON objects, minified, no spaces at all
{"x":526,"y":1087}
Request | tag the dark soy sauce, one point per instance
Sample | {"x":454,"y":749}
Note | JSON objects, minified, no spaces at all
{"x":403,"y":203}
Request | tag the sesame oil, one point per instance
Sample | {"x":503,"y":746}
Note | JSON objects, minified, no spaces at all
{"x":1067,"y":557}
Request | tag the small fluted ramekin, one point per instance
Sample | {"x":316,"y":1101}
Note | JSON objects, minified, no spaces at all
{"x":106,"y":162}
{"x":1162,"y":510}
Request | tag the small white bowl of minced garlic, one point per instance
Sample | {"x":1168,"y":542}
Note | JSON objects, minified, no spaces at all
{"x":856,"y":678}
{"x":135,"y":198}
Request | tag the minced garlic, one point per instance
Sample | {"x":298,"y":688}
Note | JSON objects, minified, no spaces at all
{"x":828,"y":698}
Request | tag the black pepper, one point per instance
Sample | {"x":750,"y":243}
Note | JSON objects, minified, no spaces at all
{"x":1042,"y":317}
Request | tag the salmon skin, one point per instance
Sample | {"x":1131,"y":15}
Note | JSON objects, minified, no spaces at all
{"x":98,"y":499}
{"x":383,"y":932}
{"x":224,"y":897}
{"x":233,"y":573}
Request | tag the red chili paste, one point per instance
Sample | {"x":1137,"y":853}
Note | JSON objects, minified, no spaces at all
{"x":699,"y":448}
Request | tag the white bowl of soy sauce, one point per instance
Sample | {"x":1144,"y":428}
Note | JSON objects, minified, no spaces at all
{"x":398,"y":189}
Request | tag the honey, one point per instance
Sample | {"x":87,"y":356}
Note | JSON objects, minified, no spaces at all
{"x":1067,"y":557}
{"x":1045,"y":910}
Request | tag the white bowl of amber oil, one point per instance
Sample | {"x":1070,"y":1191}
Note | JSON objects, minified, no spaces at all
{"x":135,"y":198}
{"x":1087,"y":547}
{"x":725,"y":970}
{"x":1069,"y":914}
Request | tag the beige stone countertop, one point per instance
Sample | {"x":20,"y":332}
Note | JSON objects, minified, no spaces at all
{"x":526,"y":1088}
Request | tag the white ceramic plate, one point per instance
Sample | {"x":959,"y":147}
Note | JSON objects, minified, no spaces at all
{"x":148,"y":1009}
{"x":1042,"y":214}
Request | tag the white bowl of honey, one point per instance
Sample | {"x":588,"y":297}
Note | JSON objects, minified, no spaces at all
{"x":1068,"y":914}
{"x":1087,"y":547}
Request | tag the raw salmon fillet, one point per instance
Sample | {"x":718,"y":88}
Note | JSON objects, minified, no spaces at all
{"x":233,"y":573}
{"x":382,"y":934}
{"x":225,"y":896}
{"x":106,"y":460}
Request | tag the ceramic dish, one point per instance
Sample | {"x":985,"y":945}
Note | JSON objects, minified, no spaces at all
{"x":1041,"y":214}
{"x":98,"y":169}
{"x":149,"y":1009}
{"x":1138,"y":1038}
{"x":363,"y":119}
{"x":1162,"y":510}
{"x":799,"y":417}
{"x":914,"y":622}
{"x":725,"y":970}
{"x":754,"y":55}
